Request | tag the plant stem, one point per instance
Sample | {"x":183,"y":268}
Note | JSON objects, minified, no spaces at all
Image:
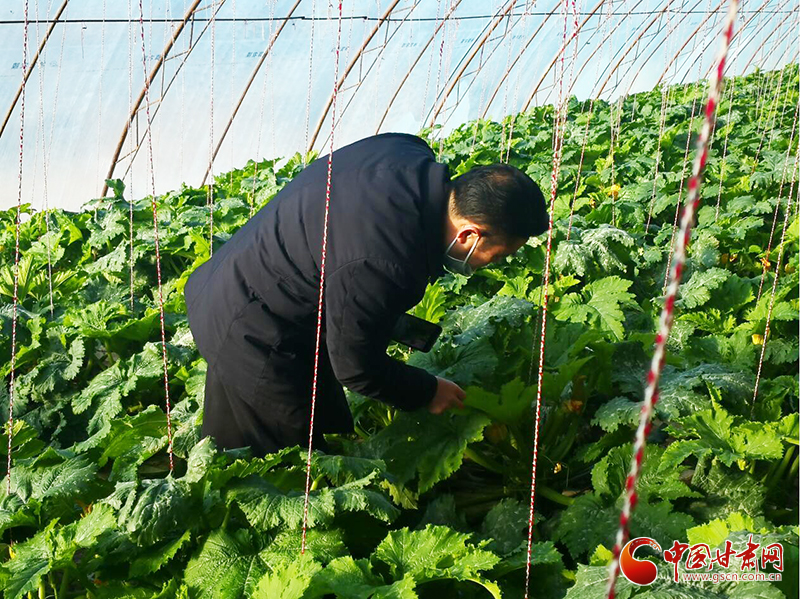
{"x":779,"y":473}
{"x":316,"y":482}
{"x":62,"y":592}
{"x":479,"y":458}
{"x":42,"y":589}
{"x":554,"y":495}
{"x":793,"y":469}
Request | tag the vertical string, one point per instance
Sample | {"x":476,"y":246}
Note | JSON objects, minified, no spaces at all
{"x":321,"y":280}
{"x":155,"y":230}
{"x":310,"y":78}
{"x":515,"y":101}
{"x":724,"y":149}
{"x":558,"y":145}
{"x":210,"y":200}
{"x":261,"y":107}
{"x":590,"y":113}
{"x":775,"y":280}
{"x":666,"y":319}
{"x":452,"y":36}
{"x":765,"y":261}
{"x":42,"y":65}
{"x":130,"y":151}
{"x":17,"y":221}
{"x":100,"y":89}
{"x":430,"y":64}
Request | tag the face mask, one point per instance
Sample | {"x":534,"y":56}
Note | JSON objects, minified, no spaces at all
{"x":457,"y":266}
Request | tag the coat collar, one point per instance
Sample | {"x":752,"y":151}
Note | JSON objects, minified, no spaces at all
{"x":433,"y":213}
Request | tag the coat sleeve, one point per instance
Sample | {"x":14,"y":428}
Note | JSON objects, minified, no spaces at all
{"x":363,"y":300}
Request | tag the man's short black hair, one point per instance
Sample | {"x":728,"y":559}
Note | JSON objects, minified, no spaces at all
{"x":503,"y":199}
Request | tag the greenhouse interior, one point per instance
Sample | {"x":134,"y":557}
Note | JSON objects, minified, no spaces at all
{"x":400,"y":299}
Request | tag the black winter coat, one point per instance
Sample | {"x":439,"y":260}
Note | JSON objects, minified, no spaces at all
{"x":253,"y":307}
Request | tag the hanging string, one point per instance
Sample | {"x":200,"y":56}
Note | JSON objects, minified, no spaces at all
{"x":210,"y":199}
{"x":560,"y":118}
{"x":100,"y":90}
{"x":495,"y":12}
{"x":157,"y":243}
{"x":665,"y":98}
{"x":724,"y":149}
{"x":771,"y":109}
{"x":666,"y":319}
{"x":183,"y":94}
{"x":16,"y":248}
{"x":685,"y":157}
{"x":590,"y":113}
{"x":515,"y":101}
{"x":775,"y":280}
{"x":765,"y":261}
{"x":504,"y":110}
{"x":773,"y":131}
{"x":45,"y":202}
{"x":261,"y":108}
{"x":322,"y":279}
{"x":130,"y":149}
{"x":430,"y":61}
{"x":232,"y":84}
{"x":451,"y":36}
{"x":310,"y":77}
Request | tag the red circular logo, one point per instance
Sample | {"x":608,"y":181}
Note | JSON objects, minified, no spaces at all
{"x":641,"y":572}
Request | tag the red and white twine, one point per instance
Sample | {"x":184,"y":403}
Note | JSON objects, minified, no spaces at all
{"x":560,"y":118}
{"x":16,"y":249}
{"x":322,"y":280}
{"x":775,"y":281}
{"x":158,"y":247}
{"x":665,"y":324}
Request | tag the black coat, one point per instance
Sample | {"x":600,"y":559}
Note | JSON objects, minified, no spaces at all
{"x":253,"y":307}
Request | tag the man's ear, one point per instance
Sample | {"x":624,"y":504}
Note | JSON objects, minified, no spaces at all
{"x":467,"y":230}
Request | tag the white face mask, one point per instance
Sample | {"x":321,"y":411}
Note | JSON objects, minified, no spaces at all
{"x":457,"y":266}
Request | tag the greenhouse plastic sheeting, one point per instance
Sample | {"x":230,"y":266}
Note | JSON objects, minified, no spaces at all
{"x":403,"y":65}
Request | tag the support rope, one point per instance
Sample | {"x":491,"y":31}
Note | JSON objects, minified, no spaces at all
{"x":765,"y":261}
{"x":45,"y":165}
{"x":210,"y":199}
{"x":775,"y":281}
{"x":724,"y":150}
{"x":322,"y":280}
{"x":158,"y":247}
{"x":560,"y":117}
{"x":15,"y":308}
{"x":666,"y":319}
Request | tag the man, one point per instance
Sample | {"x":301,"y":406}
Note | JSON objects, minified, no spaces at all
{"x":395,"y":220}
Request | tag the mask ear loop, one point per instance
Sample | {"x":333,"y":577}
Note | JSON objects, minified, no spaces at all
{"x":469,"y":254}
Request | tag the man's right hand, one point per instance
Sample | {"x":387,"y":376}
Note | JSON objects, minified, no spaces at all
{"x":448,"y":395}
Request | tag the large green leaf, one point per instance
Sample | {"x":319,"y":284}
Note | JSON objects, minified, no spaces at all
{"x":425,"y":445}
{"x":227,"y":566}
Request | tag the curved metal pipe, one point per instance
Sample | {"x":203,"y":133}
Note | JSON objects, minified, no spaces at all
{"x":552,"y":64}
{"x":712,"y":38}
{"x":778,"y":43}
{"x":660,"y":43}
{"x":485,"y":110}
{"x":413,"y":66}
{"x":632,"y":45}
{"x":349,"y":68}
{"x":702,"y":23}
{"x":150,"y":78}
{"x":466,"y":62}
{"x":34,"y":60}
{"x":253,"y":75}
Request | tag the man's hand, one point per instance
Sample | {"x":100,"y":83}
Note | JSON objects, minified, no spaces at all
{"x":448,"y":395}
